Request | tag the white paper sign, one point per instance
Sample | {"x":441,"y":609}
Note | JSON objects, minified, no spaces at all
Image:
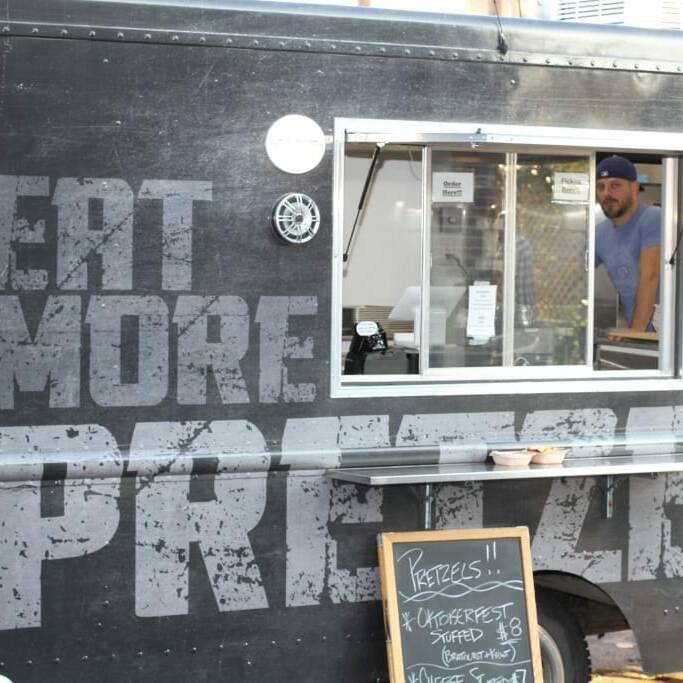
{"x":481,"y":312}
{"x":367,"y":328}
{"x":571,"y":187}
{"x":453,"y":187}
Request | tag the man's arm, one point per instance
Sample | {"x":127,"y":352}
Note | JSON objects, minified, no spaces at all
{"x":647,"y":288}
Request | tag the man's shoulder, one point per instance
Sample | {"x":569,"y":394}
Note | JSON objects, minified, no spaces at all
{"x":650,"y":222}
{"x":651,"y":213}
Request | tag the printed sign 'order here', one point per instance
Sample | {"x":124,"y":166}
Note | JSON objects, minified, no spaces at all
{"x":457,"y":188}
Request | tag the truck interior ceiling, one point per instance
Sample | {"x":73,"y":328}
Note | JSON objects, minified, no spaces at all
{"x":465,"y":262}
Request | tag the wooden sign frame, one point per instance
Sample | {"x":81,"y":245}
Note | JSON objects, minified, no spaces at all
{"x":389,"y":587}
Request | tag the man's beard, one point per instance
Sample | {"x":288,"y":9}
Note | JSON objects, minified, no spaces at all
{"x":613,"y":208}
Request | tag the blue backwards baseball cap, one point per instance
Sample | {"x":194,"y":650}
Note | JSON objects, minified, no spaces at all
{"x":616,"y":167}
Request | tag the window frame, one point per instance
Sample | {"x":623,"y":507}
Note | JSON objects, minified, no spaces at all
{"x":485,"y":137}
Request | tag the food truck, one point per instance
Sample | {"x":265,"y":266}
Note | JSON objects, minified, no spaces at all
{"x":279,"y":278}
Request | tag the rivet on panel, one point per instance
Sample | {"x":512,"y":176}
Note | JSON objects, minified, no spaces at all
{"x":307,"y":44}
{"x":193,"y":650}
{"x":119,"y":35}
{"x":221,"y":646}
{"x":254,"y":43}
{"x":333,"y":47}
{"x":202,"y":39}
{"x":64,"y":33}
{"x":432,"y":53}
{"x":513,"y":81}
{"x":228,"y":41}
{"x":666,"y":611}
{"x":248,"y":662}
{"x":525,"y":59}
{"x":112,"y":656}
{"x":478,"y":56}
{"x":281,"y":43}
{"x":140,"y":653}
{"x":406,"y":51}
{"x":358,"y":48}
{"x":245,"y":644}
{"x":298,"y":641}
{"x":175,"y":39}
{"x":91,"y":34}
{"x":29,"y":662}
{"x":547,"y":60}
{"x":592,"y":62}
{"x":56,"y":660}
{"x":658,"y":67}
{"x":273,"y":642}
{"x":383,"y":50}
{"x":636,"y":66}
{"x":84,"y":658}
{"x":35,"y":31}
{"x":167,"y":651}
{"x":5,"y":29}
{"x":148,"y":36}
{"x":455,"y":55}
{"x":615,"y":65}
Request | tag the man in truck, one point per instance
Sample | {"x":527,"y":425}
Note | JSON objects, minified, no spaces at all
{"x":628,"y":241}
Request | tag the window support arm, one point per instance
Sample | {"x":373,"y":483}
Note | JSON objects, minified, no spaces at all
{"x":361,"y":201}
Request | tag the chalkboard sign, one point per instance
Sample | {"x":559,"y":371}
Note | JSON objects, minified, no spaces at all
{"x":459,"y":606}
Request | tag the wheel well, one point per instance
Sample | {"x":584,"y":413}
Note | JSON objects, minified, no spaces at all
{"x":592,"y":607}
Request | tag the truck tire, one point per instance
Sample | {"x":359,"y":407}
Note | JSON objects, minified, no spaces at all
{"x":564,"y":652}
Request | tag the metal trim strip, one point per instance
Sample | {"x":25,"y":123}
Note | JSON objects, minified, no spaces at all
{"x":67,"y":30}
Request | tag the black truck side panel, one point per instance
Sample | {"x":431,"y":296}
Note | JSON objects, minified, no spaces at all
{"x":151,"y":528}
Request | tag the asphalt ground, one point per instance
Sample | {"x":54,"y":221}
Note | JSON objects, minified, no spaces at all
{"x":616,"y":660}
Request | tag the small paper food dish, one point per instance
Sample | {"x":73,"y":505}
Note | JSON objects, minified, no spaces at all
{"x":547,"y":455}
{"x":511,"y":458}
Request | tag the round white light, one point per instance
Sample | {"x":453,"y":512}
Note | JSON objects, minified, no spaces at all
{"x":295,"y":144}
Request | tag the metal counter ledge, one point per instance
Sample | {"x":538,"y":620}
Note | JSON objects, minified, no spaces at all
{"x":484,"y":471}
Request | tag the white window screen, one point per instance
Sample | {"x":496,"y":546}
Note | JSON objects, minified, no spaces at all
{"x":602,"y":11}
{"x":672,"y":14}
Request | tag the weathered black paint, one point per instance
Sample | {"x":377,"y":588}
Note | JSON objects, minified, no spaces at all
{"x":119,"y":110}
{"x":114,"y":108}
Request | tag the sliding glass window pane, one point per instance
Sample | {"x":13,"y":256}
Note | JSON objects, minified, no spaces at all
{"x":551,"y":280}
{"x":382,"y":274}
{"x":465,"y":279}
{"x":621,"y":343}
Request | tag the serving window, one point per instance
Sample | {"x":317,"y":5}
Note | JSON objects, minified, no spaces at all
{"x":466,"y":258}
